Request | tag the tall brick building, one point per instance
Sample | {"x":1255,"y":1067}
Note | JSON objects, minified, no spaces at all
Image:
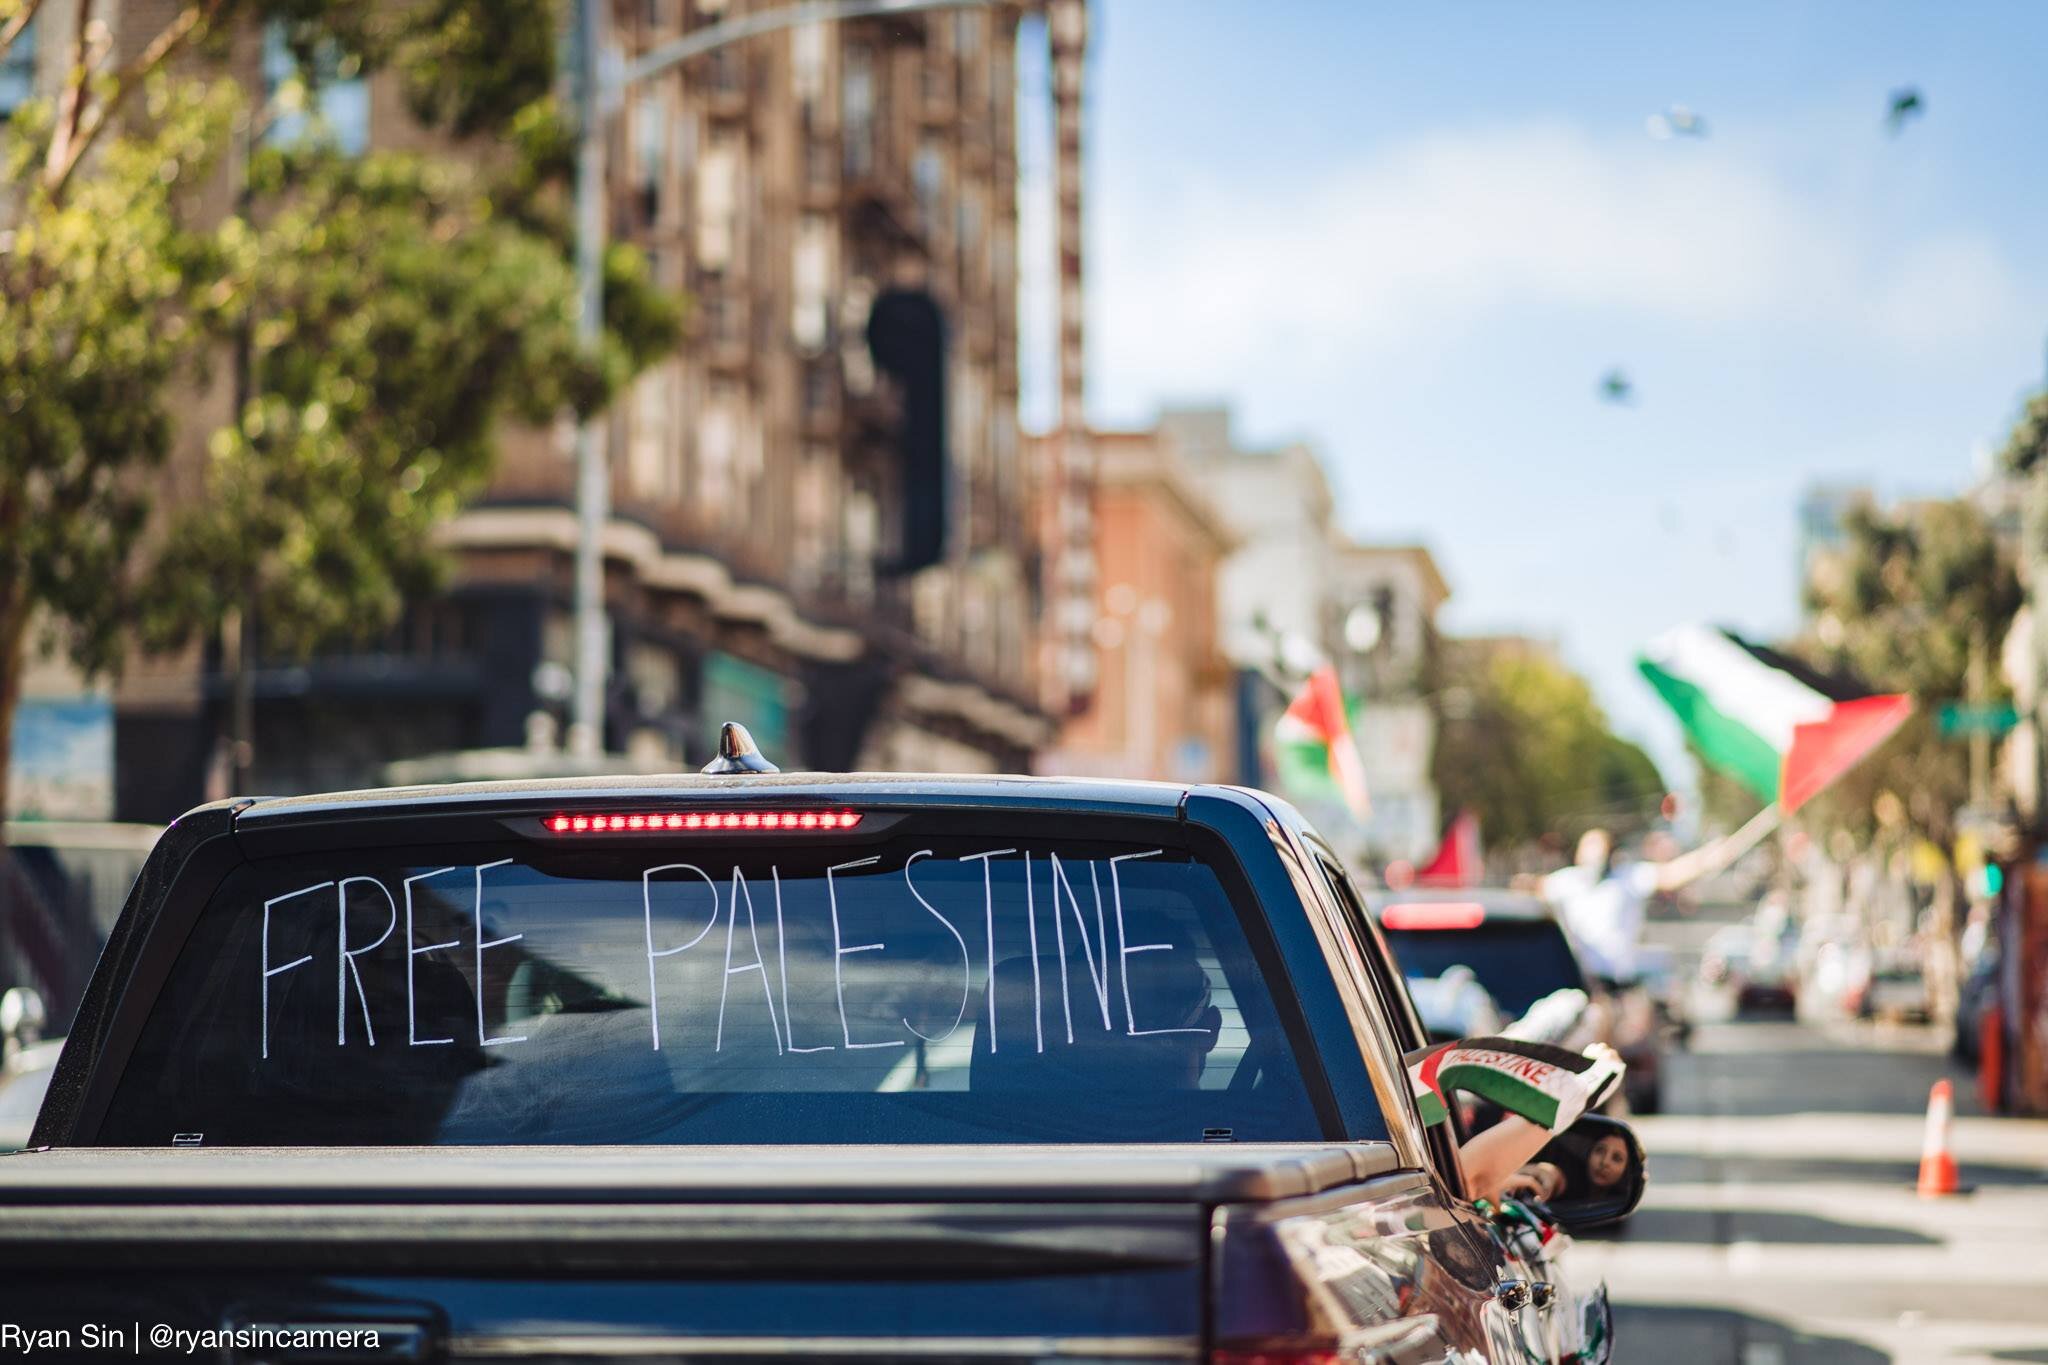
{"x":764,"y":509}
{"x":1163,"y":705}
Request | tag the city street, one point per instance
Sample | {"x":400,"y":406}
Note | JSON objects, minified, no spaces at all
{"x":1782,"y":1225}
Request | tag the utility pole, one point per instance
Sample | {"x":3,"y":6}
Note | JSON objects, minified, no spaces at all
{"x":600,"y":91}
{"x":593,"y":462}
{"x":1980,"y":738}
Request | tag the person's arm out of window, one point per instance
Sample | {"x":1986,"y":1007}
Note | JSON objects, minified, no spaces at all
{"x":1710,"y":858}
{"x":1491,"y":1159}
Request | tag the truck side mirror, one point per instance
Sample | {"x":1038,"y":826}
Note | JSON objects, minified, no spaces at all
{"x":1605,"y":1172}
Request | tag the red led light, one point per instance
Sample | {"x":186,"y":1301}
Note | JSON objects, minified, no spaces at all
{"x":643,"y":821}
{"x":1434,"y":915}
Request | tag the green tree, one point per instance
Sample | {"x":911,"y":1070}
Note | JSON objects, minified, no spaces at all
{"x":1530,"y":752}
{"x":2026,"y":446}
{"x":1911,"y":603}
{"x":381,"y":316}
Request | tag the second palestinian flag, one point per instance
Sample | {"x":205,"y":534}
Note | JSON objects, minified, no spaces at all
{"x":1313,"y":747}
{"x":1775,"y":726}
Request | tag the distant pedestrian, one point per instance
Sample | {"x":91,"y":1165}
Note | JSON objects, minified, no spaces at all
{"x":1603,"y":894}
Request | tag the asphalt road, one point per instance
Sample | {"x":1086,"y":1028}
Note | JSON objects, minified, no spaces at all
{"x":1782,"y":1225}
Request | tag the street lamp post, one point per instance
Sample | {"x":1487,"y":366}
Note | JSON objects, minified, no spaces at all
{"x":600,"y":90}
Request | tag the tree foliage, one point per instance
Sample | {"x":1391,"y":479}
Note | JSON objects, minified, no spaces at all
{"x":379,"y":317}
{"x":2026,"y":447}
{"x":1530,"y":752}
{"x":387,"y":321}
{"x":97,"y":287}
{"x":1902,"y":606}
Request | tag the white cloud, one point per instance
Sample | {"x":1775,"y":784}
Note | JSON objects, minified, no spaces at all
{"x":1417,"y":245}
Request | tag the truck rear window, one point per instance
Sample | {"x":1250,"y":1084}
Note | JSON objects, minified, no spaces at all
{"x":1517,"y":961}
{"x":707,"y":990}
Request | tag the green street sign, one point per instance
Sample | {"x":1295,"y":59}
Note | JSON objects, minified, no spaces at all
{"x":1977,"y":718}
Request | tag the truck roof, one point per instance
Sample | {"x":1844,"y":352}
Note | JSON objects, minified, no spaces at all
{"x":924,"y":790}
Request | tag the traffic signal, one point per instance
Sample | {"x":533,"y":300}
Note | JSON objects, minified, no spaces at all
{"x":907,"y":337}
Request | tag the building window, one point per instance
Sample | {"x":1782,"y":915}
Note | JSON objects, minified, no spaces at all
{"x":812,"y":549}
{"x":650,"y":148}
{"x":821,"y":166}
{"x":929,"y":175}
{"x":811,"y":282}
{"x":650,"y":462}
{"x":724,"y":71}
{"x":18,"y":70}
{"x":807,"y":62}
{"x":857,"y":110}
{"x":967,"y":32}
{"x":718,"y":435}
{"x":820,"y":389}
{"x":340,"y":109}
{"x":862,"y":536}
{"x":717,"y":202}
{"x":967,"y":224}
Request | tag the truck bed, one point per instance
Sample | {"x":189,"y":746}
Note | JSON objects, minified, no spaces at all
{"x":1004,"y":1253}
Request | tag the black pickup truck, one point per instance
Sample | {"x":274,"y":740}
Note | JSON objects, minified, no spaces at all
{"x":707,"y":1068}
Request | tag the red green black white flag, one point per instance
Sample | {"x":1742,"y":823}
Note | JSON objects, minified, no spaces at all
{"x":1313,"y":747}
{"x":1781,"y":729}
{"x":1549,"y":1086}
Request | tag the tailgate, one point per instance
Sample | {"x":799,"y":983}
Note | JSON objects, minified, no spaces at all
{"x":633,"y":1283}
{"x":1002,"y":1254}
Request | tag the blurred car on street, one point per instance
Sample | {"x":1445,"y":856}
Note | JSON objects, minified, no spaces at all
{"x":1657,"y":971}
{"x":1455,"y":1005}
{"x":1897,"y":991}
{"x":1756,"y":970}
{"x":23,"y":1083}
{"x":1516,"y":948}
{"x":1976,"y":998}
{"x":26,"y":1058}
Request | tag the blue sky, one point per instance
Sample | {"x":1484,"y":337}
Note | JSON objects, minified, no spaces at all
{"x":1418,"y":235}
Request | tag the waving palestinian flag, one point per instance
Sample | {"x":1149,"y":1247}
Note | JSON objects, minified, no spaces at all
{"x":1313,"y":748}
{"x":1777,"y":727}
{"x":1549,"y":1086}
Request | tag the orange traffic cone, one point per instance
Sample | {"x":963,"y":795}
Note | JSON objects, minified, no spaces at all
{"x":1937,"y":1161}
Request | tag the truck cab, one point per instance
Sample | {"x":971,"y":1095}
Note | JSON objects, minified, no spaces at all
{"x":846,"y":1066}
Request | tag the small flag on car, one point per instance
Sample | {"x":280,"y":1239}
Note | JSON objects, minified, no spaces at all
{"x":1549,"y":1086}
